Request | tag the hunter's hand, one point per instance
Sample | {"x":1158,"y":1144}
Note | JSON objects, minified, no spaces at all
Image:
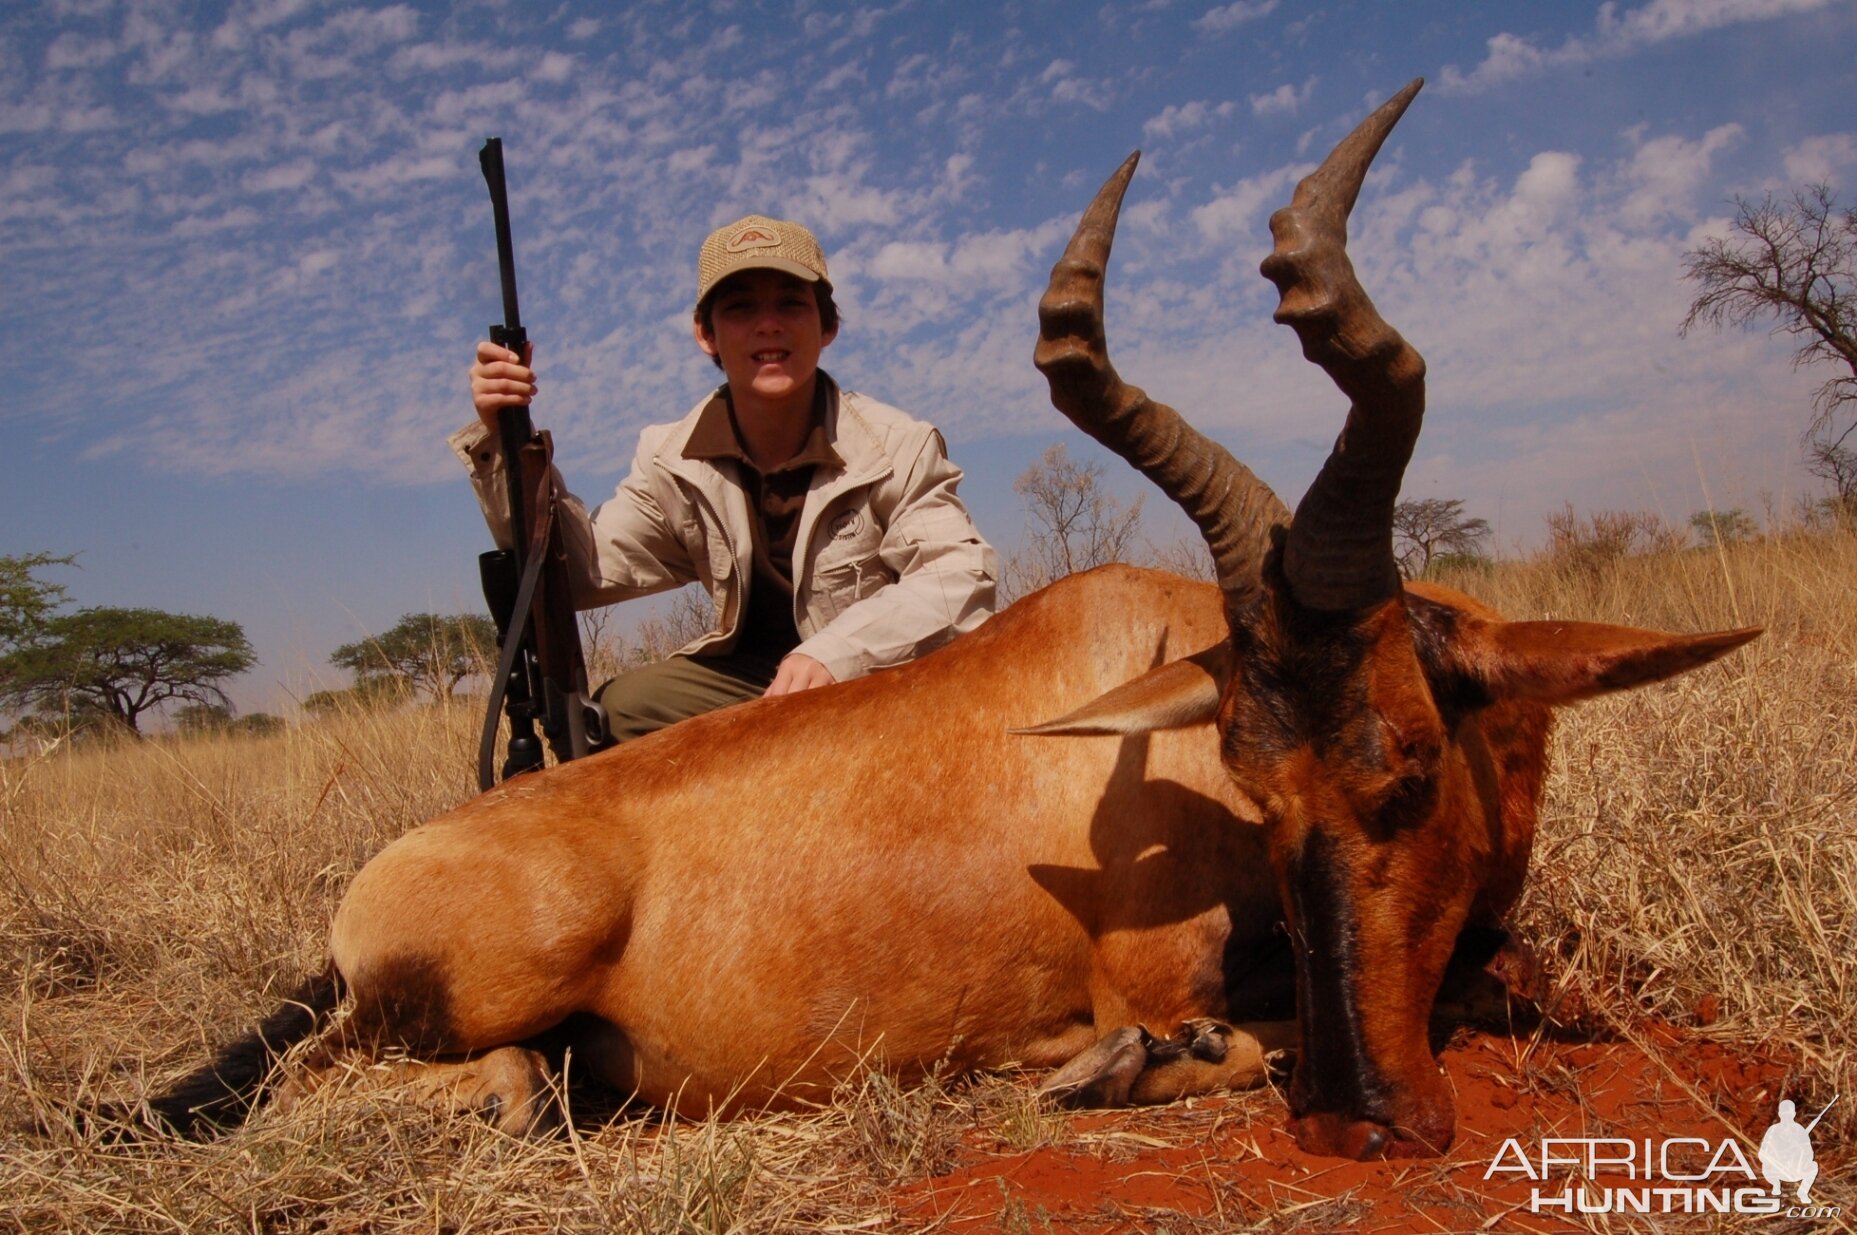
{"x":501,"y":379}
{"x":797,"y":673}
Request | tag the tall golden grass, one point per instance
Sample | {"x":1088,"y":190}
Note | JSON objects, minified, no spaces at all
{"x":1697,"y":864}
{"x":1697,"y":858}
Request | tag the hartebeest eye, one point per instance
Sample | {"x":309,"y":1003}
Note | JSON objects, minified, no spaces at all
{"x":1408,"y":800}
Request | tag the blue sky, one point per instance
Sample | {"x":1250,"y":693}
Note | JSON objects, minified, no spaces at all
{"x":247,"y":251}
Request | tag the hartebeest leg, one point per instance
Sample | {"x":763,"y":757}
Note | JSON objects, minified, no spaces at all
{"x":511,"y":1088}
{"x":1130,"y":1066}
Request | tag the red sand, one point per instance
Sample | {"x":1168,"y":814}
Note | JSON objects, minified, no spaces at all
{"x":1226,"y":1162}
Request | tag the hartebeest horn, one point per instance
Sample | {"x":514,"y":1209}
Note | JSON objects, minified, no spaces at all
{"x":1339,"y":552}
{"x":1235,"y":510}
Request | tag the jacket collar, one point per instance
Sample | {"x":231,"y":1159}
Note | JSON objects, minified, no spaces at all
{"x":856,"y":443}
{"x":858,"y":453}
{"x":717,"y":436}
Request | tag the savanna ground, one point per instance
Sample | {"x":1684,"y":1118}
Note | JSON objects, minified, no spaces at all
{"x":1693,"y":907}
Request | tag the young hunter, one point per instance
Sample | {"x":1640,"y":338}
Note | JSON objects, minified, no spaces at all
{"x":823,"y":524}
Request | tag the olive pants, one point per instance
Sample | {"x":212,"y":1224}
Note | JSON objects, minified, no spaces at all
{"x":679,"y":687}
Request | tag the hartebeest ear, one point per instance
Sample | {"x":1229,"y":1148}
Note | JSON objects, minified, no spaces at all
{"x":1174,"y":696}
{"x":1564,"y":662}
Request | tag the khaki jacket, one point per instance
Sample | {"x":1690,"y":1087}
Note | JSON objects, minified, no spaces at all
{"x":887,"y":566}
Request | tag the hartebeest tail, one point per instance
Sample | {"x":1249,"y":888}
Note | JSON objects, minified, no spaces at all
{"x":1394,"y":738}
{"x":221,"y":1091}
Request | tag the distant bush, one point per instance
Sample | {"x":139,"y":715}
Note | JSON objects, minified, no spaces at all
{"x":1724,"y":527}
{"x":1586,"y":544}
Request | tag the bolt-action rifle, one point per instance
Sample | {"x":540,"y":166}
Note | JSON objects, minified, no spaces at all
{"x":541,"y":675}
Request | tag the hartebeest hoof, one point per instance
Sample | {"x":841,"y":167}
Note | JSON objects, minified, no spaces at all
{"x":1133,"y":1067}
{"x":1104,"y":1074}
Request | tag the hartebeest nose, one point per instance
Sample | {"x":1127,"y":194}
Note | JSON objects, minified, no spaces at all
{"x":1333,"y":1136}
{"x":1426,"y":1134}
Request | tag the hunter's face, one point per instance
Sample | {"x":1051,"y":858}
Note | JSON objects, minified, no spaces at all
{"x":765,"y":329}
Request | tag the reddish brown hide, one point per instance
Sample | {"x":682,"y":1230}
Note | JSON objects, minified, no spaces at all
{"x":1394,"y":739}
{"x":738,"y":910}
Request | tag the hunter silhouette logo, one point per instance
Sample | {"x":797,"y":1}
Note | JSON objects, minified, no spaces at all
{"x":1669,"y":1175}
{"x":1786,"y":1152}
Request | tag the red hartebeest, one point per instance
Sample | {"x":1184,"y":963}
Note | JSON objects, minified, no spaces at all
{"x":1393,"y":738}
{"x":737,"y":910}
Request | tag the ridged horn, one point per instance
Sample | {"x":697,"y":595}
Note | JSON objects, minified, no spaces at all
{"x":1233,"y":509}
{"x":1339,"y":552}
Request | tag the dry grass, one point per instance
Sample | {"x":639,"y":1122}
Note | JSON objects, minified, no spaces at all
{"x":1697,"y":863}
{"x":1697,"y":860}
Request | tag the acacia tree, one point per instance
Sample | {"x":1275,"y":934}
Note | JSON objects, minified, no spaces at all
{"x":1075,"y":523}
{"x":120,"y":663}
{"x":25,"y":600}
{"x":1794,"y":261}
{"x":1832,"y":461}
{"x":1724,"y":527}
{"x":429,"y":651}
{"x":367,"y":694}
{"x":1425,"y":529}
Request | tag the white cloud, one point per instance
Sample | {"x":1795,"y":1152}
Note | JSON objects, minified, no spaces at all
{"x":1672,"y":19}
{"x":71,"y":50}
{"x":441,"y":57}
{"x":1178,"y":118}
{"x":247,"y":19}
{"x":233,"y":219}
{"x":1511,"y":57}
{"x":1664,"y":173}
{"x":840,"y":78}
{"x":1231,"y":16}
{"x":554,"y":66}
{"x":311,"y":171}
{"x":405,"y":168}
{"x":1237,"y":212}
{"x":1285,"y":100}
{"x":1068,"y":86}
{"x":837,"y":201}
{"x":394,"y":24}
{"x":1822,"y":159}
{"x":87,"y":118}
{"x":207,"y":99}
{"x":957,"y":178}
{"x":691,"y":160}
{"x":282,"y":177}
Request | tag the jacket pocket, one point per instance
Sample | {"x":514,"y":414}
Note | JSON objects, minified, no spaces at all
{"x":843,"y":584}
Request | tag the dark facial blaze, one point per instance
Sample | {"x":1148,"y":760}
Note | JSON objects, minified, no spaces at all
{"x":1329,"y":723}
{"x":1333,"y":706}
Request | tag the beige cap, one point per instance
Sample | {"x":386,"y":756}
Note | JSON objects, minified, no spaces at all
{"x":758,"y":243}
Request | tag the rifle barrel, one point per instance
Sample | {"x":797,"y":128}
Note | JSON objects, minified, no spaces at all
{"x":490,"y":158}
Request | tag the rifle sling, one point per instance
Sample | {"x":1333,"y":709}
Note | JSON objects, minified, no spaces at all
{"x":512,"y":644}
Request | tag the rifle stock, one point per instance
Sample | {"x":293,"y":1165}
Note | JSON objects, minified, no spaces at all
{"x":541,"y":671}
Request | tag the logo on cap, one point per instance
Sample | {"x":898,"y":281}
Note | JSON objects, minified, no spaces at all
{"x":754,"y":236}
